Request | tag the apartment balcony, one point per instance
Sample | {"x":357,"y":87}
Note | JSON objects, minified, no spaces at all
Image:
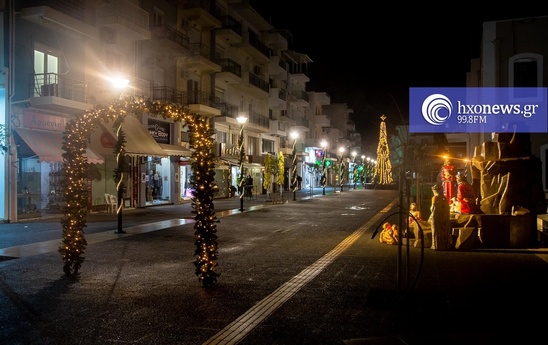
{"x":202,"y":13}
{"x":322,"y":98}
{"x":125,"y":19}
{"x":53,"y":92}
{"x":228,"y":110}
{"x":277,"y":98}
{"x":313,"y":142}
{"x":321,"y":121}
{"x":301,"y":125}
{"x":277,"y":68}
{"x":252,"y":45}
{"x":255,"y":159}
{"x":299,"y":98}
{"x":166,"y":94}
{"x":259,"y":121}
{"x":231,"y":72}
{"x":278,"y":128}
{"x":299,"y":78}
{"x":231,"y":30}
{"x":278,"y":39}
{"x":66,"y":18}
{"x":170,"y":40}
{"x":202,"y":59}
{"x":254,"y":85}
{"x":201,"y":103}
{"x":138,"y":87}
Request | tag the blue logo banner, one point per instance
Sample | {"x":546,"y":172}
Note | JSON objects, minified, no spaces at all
{"x":478,"y":109}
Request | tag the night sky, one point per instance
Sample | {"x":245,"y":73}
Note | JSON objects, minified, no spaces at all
{"x":368,"y":54}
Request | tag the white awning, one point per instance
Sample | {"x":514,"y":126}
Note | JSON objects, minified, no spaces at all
{"x":175,"y":150}
{"x":48,"y":145}
{"x":138,"y":141}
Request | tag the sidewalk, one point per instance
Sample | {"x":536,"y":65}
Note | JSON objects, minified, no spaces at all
{"x":300,"y":273}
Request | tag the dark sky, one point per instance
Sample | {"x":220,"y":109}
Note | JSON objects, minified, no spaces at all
{"x":368,"y":56}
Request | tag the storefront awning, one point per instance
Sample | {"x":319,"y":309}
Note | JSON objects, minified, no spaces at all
{"x":138,"y":141}
{"x":47,"y":145}
{"x":175,"y":150}
{"x":235,"y":162}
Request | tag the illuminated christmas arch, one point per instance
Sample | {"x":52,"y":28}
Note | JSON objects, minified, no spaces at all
{"x":75,"y":142}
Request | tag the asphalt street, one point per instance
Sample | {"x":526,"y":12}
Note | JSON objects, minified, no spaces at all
{"x":301,"y":272}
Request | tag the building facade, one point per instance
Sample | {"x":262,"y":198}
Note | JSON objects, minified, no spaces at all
{"x":219,"y":59}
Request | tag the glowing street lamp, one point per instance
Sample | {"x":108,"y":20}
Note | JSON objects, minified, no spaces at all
{"x":241,"y":120}
{"x":294,"y":136}
{"x":119,"y":83}
{"x":323,"y":177}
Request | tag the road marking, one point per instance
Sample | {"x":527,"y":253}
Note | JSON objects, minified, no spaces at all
{"x":243,"y":325}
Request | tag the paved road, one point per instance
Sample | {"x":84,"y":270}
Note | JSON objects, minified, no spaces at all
{"x":303,"y":272}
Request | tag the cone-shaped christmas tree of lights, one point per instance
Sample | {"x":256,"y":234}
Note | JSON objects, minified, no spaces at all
{"x":383,"y":169}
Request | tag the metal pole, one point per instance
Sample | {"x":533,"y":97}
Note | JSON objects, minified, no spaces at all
{"x":323,"y":178}
{"x":242,"y":177}
{"x":120,"y":183}
{"x":294,"y":171}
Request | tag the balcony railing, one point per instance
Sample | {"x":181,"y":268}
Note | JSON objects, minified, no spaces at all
{"x":259,"y":120}
{"x":199,"y":97}
{"x":255,"y":42}
{"x":228,"y":109}
{"x":231,"y":66}
{"x":169,"y":33}
{"x":229,"y":22}
{"x":53,"y":84}
{"x":164,"y":93}
{"x":198,"y":49}
{"x":258,"y":82}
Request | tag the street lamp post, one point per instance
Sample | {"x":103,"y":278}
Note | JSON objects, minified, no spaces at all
{"x":362,"y":175}
{"x":120,"y":83}
{"x":354,"y":168}
{"x":341,"y":167}
{"x":323,"y":179}
{"x":294,"y":136}
{"x":241,"y":120}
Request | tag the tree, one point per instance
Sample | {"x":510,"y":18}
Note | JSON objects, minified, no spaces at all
{"x":383,"y":169}
{"x":281,"y":170}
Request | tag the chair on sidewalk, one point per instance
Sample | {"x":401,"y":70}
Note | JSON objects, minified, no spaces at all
{"x":112,"y":203}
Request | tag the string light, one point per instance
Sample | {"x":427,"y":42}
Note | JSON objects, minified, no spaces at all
{"x":75,"y":142}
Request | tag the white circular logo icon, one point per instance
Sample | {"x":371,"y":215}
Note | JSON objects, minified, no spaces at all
{"x":436,"y":109}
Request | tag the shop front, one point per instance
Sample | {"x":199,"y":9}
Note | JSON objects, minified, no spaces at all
{"x":40,"y":173}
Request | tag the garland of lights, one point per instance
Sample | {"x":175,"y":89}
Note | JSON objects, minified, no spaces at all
{"x":383,"y":168}
{"x":75,"y":141}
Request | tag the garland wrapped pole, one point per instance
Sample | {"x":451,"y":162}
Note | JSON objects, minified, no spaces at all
{"x":119,"y":151}
{"x":203,"y":182}
{"x":323,"y":180}
{"x":294,"y":135}
{"x":241,"y":120}
{"x":341,"y":168}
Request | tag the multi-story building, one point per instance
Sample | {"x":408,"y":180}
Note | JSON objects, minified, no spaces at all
{"x":218,"y":58}
{"x":512,"y":55}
